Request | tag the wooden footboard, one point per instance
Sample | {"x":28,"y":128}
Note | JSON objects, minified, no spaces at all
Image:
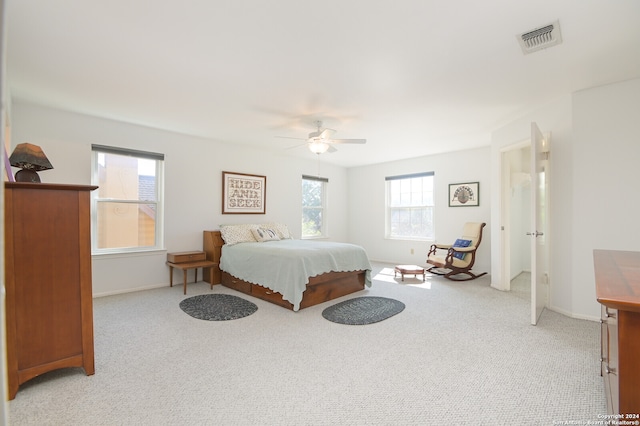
{"x":320,"y":289}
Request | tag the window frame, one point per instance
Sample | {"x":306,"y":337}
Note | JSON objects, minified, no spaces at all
{"x":96,"y":150}
{"x":322,"y":208}
{"x":389,"y":208}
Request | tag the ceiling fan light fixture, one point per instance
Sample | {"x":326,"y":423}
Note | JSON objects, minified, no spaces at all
{"x":318,"y":147}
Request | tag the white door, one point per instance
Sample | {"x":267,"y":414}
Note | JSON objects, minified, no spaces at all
{"x":539,"y":228}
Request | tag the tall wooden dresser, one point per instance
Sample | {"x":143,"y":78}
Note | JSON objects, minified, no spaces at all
{"x":618,"y":291}
{"x":49,"y":307}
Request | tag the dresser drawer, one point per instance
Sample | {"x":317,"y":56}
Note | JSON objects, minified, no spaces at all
{"x":610,"y":357}
{"x":272,"y":296}
{"x":186,"y":256}
{"x":604,"y":341}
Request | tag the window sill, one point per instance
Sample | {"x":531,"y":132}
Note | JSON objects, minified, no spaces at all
{"x":122,"y":254}
{"x":426,"y":240}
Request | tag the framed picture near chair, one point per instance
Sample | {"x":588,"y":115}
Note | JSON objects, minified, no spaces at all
{"x":464,"y":194}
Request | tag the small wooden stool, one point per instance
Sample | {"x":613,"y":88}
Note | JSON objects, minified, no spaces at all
{"x":414,"y":270}
{"x":185,"y":266}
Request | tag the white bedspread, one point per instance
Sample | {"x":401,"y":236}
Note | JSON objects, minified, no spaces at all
{"x":286,"y":265}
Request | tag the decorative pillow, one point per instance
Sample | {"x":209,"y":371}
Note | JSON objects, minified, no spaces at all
{"x":265,"y":234}
{"x":280,"y":228}
{"x":234,"y":234}
{"x":461,"y":243}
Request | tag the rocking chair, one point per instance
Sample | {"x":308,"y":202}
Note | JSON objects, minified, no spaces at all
{"x":460,"y":256}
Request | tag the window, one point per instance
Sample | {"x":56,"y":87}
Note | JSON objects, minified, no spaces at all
{"x":127,"y":207}
{"x":314,"y":206}
{"x":410,"y":206}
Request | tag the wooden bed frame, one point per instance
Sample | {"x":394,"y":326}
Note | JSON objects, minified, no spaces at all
{"x":320,"y":289}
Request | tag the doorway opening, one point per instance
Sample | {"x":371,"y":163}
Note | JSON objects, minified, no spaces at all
{"x":516,"y":214}
{"x":521,"y":286}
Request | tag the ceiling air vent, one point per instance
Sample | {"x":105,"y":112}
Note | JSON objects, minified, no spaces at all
{"x":540,"y":38}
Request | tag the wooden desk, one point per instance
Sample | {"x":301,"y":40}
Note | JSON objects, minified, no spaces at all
{"x":618,"y":291}
{"x":185,"y":267}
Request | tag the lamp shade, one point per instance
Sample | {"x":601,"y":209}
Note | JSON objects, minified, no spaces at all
{"x":318,"y":147}
{"x":30,"y":157}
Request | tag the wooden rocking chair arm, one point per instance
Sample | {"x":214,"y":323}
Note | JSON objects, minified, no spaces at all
{"x":442,"y":246}
{"x":463,"y":249}
{"x":453,"y":250}
{"x":434,"y":247}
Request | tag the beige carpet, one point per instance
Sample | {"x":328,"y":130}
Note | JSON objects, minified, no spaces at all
{"x":459,"y":353}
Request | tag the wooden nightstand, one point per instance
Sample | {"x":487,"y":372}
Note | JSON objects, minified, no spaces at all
{"x":188,"y":260}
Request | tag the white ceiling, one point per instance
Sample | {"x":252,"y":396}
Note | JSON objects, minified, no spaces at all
{"x":412,"y":77}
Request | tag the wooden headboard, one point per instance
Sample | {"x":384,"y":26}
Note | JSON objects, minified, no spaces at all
{"x":212,"y":243}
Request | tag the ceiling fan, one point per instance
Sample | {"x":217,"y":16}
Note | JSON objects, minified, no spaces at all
{"x":321,"y":141}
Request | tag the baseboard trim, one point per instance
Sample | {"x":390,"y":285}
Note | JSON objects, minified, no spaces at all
{"x":573,"y":315}
{"x":130,"y":290}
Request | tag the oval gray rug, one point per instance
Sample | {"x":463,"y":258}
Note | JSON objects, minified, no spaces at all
{"x":217,"y":307}
{"x":363,"y":310}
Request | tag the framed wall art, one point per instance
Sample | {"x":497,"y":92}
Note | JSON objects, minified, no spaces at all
{"x":243,"y":193}
{"x":464,"y":194}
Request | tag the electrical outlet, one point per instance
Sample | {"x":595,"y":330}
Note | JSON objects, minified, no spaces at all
{"x":411,"y":251}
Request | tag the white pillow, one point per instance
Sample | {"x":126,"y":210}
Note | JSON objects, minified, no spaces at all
{"x":234,"y":234}
{"x":280,"y":228}
{"x":265,"y":234}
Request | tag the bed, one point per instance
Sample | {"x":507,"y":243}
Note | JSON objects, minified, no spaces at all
{"x":342,"y":269}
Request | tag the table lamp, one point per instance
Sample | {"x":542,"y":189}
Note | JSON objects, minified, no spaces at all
{"x":31,"y":159}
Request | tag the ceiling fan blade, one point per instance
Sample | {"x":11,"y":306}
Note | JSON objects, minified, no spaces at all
{"x":358,"y":141}
{"x":331,"y":149}
{"x":297,"y":146}
{"x":326,"y":133}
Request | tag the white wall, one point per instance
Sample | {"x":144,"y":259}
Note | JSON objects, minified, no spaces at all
{"x":193,"y":184}
{"x":367,"y":205}
{"x":593,"y":169}
{"x":606,"y":172}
